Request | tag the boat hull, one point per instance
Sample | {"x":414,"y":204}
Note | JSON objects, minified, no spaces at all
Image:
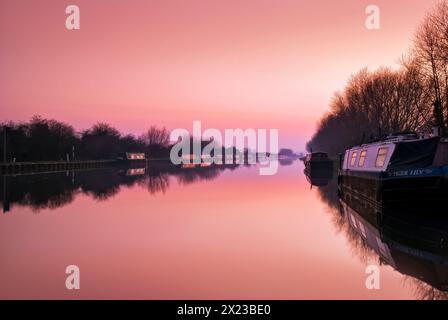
{"x":390,"y":186}
{"x":322,"y":165}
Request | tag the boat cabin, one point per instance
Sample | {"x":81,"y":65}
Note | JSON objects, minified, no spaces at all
{"x":395,"y":152}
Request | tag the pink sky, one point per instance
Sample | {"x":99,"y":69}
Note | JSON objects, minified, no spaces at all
{"x":233,"y":63}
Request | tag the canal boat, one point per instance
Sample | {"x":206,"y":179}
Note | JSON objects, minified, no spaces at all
{"x":399,"y":166}
{"x":318,"y":161}
{"x":132,"y":159}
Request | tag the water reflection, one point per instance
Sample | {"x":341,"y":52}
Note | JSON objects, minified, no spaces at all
{"x":51,"y":191}
{"x":318,"y":178}
{"x":253,"y":232}
{"x":410,"y":236}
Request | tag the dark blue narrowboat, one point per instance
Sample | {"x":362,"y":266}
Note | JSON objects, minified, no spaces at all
{"x":398,"y":167}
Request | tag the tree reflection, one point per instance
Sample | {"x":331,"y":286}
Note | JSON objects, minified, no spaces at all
{"x":424,"y":291}
{"x":157,"y":183}
{"x":51,"y":191}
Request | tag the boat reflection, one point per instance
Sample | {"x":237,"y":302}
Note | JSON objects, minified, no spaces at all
{"x":410,"y":236}
{"x":319,"y":169}
{"x":318,"y":177}
{"x":50,"y":191}
{"x":54,"y":190}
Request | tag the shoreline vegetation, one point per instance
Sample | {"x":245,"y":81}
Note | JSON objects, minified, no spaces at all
{"x":53,"y":142}
{"x":412,"y":98}
{"x":50,"y":140}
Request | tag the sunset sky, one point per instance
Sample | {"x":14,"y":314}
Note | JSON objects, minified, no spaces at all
{"x":229,"y":63}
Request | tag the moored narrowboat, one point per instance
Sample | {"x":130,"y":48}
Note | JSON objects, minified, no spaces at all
{"x":400,"y":166}
{"x":131,"y":159}
{"x":317,"y":161}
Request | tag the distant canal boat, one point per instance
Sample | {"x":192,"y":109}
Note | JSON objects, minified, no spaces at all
{"x":318,"y":161}
{"x":131,"y":158}
{"x":397,"y":167}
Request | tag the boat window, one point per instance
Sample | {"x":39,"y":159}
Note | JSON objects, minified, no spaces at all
{"x":362,"y":158}
{"x":353,"y":160}
{"x":381,"y":157}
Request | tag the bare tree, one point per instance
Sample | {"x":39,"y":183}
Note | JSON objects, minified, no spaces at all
{"x":431,"y":55}
{"x":156,"y":137}
{"x":373,"y":104}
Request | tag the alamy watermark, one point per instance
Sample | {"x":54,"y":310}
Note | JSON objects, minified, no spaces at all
{"x":228,"y":148}
{"x":373,"y":278}
{"x":373,"y":21}
{"x":73,"y":20}
{"x":73,"y":280}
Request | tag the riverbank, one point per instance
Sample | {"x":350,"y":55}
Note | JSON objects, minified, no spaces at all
{"x":51,"y":166}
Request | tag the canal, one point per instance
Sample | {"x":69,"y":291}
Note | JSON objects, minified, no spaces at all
{"x":208,"y":233}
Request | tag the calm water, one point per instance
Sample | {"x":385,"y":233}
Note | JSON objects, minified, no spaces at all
{"x":188,"y":234}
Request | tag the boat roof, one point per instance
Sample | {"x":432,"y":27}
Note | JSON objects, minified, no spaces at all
{"x":393,"y":139}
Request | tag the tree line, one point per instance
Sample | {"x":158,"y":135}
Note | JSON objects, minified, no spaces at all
{"x":43,"y":139}
{"x":413,"y":98}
